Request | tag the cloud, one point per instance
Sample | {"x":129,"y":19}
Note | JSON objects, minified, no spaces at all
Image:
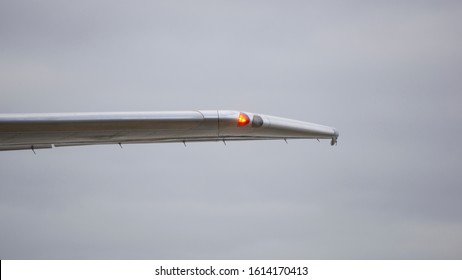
{"x":384,"y":74}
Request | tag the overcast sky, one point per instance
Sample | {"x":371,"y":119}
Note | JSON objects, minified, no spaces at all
{"x":386,"y":74}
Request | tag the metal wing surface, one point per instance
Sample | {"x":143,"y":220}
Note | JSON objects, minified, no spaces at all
{"x":39,"y":131}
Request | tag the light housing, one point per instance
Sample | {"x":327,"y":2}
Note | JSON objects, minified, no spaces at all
{"x":243,"y":119}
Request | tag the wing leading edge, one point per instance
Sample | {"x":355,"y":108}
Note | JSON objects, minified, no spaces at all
{"x":41,"y":131}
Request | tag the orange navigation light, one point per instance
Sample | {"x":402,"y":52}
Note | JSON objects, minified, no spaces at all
{"x":243,"y":119}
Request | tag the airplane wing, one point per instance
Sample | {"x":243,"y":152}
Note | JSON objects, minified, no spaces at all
{"x":41,"y":131}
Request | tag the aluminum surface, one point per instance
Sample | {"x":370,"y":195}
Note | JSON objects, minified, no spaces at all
{"x":40,"y":131}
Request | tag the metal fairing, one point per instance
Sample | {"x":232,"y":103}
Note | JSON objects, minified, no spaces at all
{"x":41,"y":131}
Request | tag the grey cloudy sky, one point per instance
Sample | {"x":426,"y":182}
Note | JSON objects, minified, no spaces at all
{"x":387,"y":74}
